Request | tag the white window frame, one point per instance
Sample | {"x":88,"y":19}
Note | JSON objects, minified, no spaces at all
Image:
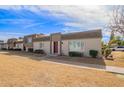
{"x":30,"y":40}
{"x":82,"y":45}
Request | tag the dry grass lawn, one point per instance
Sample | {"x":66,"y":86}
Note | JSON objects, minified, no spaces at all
{"x":28,"y":70}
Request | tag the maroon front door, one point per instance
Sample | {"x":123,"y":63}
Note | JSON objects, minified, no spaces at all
{"x":56,"y":47}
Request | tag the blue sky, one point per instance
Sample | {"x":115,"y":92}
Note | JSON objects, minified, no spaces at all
{"x":17,"y":21}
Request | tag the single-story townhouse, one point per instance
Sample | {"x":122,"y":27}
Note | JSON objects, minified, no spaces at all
{"x":4,"y":46}
{"x":1,"y":44}
{"x":62,"y":44}
{"x":11,"y":43}
{"x":28,"y":41}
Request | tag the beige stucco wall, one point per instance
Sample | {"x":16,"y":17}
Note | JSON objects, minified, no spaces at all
{"x":89,"y":44}
{"x":65,"y":48}
{"x":45,"y":47}
{"x":92,"y":44}
{"x":0,"y":46}
{"x":36,"y":45}
{"x":56,"y":37}
{"x":5,"y":46}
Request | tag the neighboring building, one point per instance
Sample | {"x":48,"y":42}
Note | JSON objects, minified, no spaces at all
{"x":28,"y":41}
{"x":19,"y":44}
{"x":4,"y":46}
{"x":11,"y":43}
{"x":1,"y":43}
{"x":61,"y":44}
{"x":42,"y":43}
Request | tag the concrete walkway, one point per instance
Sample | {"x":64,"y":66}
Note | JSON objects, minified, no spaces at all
{"x":113,"y":69}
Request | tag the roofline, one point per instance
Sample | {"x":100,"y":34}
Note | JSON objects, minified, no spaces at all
{"x":33,"y":35}
{"x":94,"y":30}
{"x":19,"y":42}
{"x":35,"y":39}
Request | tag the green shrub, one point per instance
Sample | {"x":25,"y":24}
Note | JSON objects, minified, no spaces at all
{"x":107,"y":52}
{"x":17,"y":49}
{"x":93,"y":53}
{"x":39,"y":51}
{"x":10,"y":49}
{"x":4,"y":49}
{"x":30,"y":49}
{"x":103,"y":48}
{"x":75,"y":54}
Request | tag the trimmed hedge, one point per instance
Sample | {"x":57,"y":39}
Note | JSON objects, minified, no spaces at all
{"x":18,"y":49}
{"x":93,"y":53}
{"x":30,"y":49}
{"x":75,"y":54}
{"x":10,"y":49}
{"x":39,"y":51}
{"x":4,"y":49}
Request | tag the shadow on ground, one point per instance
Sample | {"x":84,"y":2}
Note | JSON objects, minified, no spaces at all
{"x":78,"y":61}
{"x":84,"y":61}
{"x":29,"y":55}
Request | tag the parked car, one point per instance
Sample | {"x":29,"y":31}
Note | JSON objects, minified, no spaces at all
{"x":119,"y":48}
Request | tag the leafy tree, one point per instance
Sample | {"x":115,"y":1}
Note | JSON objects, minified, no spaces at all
{"x":104,"y":46}
{"x":122,"y":43}
{"x":119,"y":41}
{"x":107,"y":52}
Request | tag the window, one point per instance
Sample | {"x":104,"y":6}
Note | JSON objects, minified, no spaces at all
{"x":76,"y":45}
{"x":29,"y":40}
{"x":17,"y":45}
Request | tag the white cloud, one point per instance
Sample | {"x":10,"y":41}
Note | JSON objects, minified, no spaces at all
{"x":73,"y":24}
{"x":33,"y":25}
{"x":89,"y":17}
{"x":80,"y":13}
{"x":6,"y":35}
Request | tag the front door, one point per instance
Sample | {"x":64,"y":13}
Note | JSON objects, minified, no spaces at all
{"x":55,"y":47}
{"x":24,"y":48}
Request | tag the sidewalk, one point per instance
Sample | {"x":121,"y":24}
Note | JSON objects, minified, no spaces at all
{"x":112,"y":69}
{"x":115,"y":69}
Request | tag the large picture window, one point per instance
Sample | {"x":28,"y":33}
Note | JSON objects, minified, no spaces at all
{"x":76,"y":45}
{"x":29,"y":40}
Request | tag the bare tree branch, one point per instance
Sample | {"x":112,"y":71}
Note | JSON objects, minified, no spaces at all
{"x":117,"y":20}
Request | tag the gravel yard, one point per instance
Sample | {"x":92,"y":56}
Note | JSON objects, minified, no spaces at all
{"x":23,"y":69}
